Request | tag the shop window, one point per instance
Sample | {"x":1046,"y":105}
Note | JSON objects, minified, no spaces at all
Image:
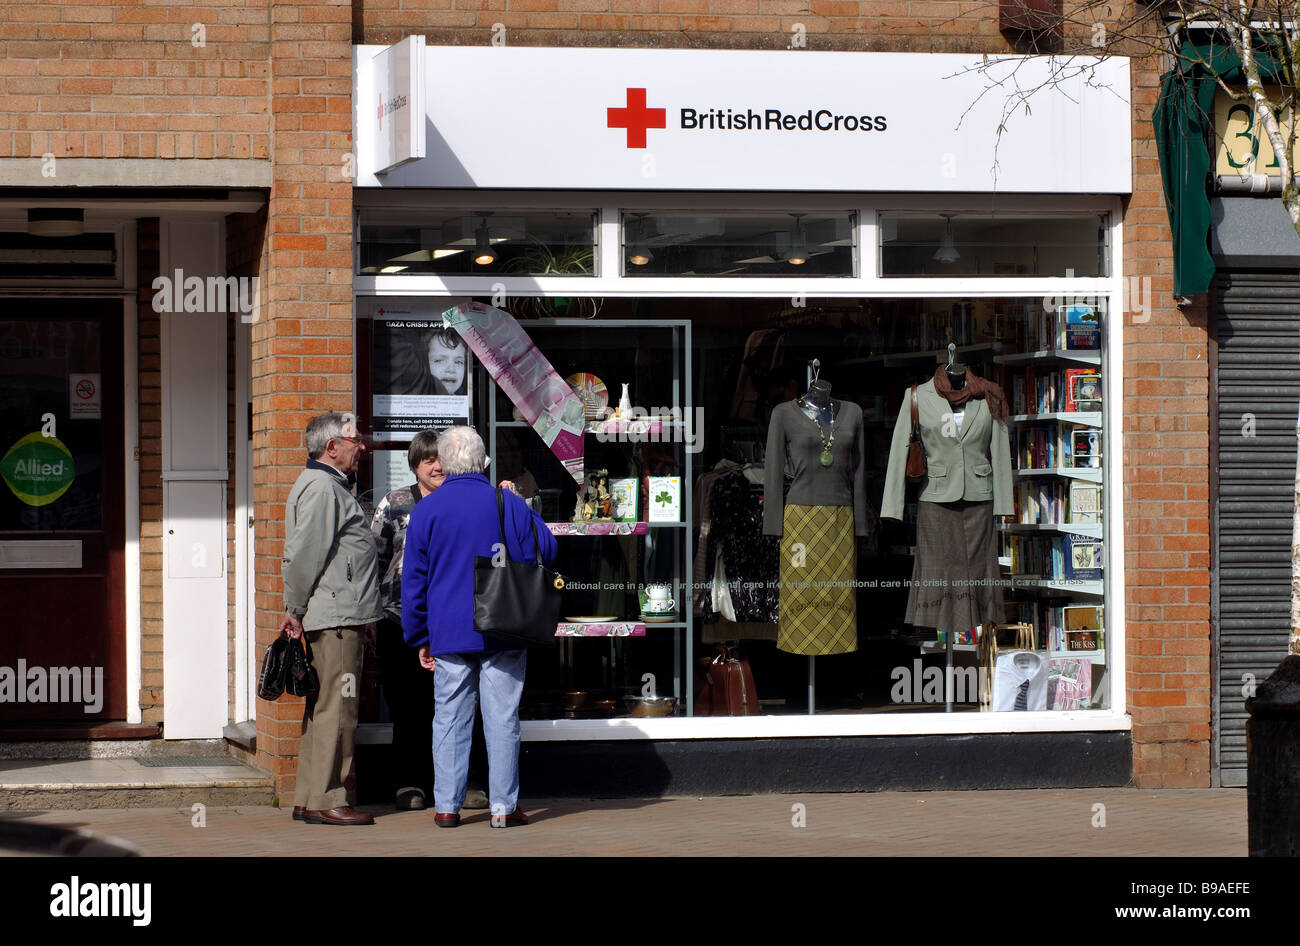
{"x":445,"y":243}
{"x":753,"y":244}
{"x":957,"y":244}
{"x":979,"y":588}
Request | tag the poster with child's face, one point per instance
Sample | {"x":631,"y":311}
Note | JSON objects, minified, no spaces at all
{"x":422,"y":372}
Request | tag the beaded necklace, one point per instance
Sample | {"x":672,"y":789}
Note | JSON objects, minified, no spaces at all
{"x":826,"y":458}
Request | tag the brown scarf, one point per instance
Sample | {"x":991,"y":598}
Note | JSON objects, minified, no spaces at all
{"x":975,"y":387}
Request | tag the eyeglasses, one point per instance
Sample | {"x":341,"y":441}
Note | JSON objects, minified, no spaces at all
{"x":357,"y":441}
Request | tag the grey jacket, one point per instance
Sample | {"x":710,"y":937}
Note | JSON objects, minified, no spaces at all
{"x":329,"y":564}
{"x":973,"y":464}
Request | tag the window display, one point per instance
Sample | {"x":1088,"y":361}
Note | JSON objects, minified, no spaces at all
{"x":731,"y":501}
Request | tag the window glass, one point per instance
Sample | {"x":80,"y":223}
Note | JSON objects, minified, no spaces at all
{"x":753,"y":244}
{"x":951,"y":244}
{"x":682,"y":548}
{"x":519,"y":243}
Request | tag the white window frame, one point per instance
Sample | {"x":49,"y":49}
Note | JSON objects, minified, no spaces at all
{"x":868,"y":283}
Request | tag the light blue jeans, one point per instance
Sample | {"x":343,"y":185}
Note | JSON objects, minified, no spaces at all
{"x":459,"y":682}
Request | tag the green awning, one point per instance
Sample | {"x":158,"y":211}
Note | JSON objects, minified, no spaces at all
{"x":1184,"y":127}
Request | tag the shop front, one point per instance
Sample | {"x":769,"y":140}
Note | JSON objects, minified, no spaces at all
{"x":744,"y":282}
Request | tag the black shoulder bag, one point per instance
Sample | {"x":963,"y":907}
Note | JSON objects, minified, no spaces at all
{"x":517,"y":602}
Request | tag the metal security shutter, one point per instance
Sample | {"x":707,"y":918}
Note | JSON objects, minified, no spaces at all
{"x":1258,"y":374}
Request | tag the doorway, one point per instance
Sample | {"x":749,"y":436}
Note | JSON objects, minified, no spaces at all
{"x":62,"y":511}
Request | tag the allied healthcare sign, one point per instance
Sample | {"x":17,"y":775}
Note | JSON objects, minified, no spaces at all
{"x":679,"y":119}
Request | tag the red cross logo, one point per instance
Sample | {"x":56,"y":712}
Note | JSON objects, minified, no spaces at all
{"x":636,"y":118}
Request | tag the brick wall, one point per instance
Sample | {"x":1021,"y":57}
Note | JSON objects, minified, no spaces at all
{"x":151,"y":493}
{"x":904,"y":25}
{"x":127,"y":80}
{"x":302,"y":349}
{"x":1166,"y":488}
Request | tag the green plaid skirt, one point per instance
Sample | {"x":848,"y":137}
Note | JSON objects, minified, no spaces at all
{"x":819,"y":562}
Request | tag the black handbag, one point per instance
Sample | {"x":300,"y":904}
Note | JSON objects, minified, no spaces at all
{"x":270,"y":682}
{"x":300,"y":678}
{"x":517,"y":602}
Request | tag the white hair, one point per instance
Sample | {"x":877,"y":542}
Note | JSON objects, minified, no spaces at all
{"x":461,"y":450}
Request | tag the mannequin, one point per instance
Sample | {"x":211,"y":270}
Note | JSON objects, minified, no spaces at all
{"x":955,"y":577}
{"x":819,"y":441}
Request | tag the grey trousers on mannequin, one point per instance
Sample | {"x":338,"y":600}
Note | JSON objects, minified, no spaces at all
{"x":326,"y":756}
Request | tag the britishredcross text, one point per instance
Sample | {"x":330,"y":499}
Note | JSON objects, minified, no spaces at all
{"x":773,"y":119}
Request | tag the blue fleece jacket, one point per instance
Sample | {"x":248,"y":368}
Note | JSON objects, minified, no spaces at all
{"x":447,"y":529}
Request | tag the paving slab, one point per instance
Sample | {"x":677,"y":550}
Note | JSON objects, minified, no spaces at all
{"x":1056,"y":822}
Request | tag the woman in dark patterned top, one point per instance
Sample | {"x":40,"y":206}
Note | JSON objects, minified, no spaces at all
{"x":408,"y":687}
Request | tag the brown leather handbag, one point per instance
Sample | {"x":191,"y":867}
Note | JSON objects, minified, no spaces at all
{"x":727,"y":687}
{"x":915,"y":451}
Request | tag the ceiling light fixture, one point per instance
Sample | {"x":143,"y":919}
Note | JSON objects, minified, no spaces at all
{"x":483,"y":252}
{"x":947,"y":252}
{"x":56,"y":221}
{"x":638,"y":253}
{"x":798,"y":254}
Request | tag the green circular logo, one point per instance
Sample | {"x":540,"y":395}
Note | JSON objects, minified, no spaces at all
{"x":38,"y":469}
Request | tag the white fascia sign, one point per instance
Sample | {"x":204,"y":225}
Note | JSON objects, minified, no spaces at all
{"x":759,"y":120}
{"x":395,"y":132}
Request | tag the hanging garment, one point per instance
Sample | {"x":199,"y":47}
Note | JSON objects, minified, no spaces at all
{"x":819,"y":564}
{"x":956,"y":583}
{"x":745,"y":592}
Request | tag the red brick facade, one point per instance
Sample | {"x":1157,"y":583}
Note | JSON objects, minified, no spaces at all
{"x":272,"y":81}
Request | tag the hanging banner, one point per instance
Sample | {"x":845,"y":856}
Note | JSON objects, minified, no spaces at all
{"x":522,"y":371}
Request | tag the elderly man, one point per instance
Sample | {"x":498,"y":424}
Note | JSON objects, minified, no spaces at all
{"x":331,"y":594}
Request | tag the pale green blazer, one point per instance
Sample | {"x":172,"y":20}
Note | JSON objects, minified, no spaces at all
{"x":973,"y":464}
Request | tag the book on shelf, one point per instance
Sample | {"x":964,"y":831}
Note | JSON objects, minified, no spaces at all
{"x":1086,"y":449}
{"x":1044,"y":446}
{"x":1085,"y":502}
{"x":1082,"y":327}
{"x":1040,"y":502}
{"x":1083,"y":557}
{"x":1082,"y":389}
{"x":1069,"y":683}
{"x":1067,"y":557}
{"x":1075,"y":628}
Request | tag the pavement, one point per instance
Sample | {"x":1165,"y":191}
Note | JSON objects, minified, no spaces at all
{"x":1112,"y":822}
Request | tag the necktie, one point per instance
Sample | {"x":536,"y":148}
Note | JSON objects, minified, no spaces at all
{"x":1022,"y":696}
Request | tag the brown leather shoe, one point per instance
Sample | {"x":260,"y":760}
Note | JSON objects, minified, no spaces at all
{"x":298,"y":812}
{"x":344,"y":815}
{"x":512,"y":820}
{"x":447,"y":819}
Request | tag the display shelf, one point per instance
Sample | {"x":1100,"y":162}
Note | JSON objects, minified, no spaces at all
{"x":656,"y":355}
{"x":1090,"y":529}
{"x":598,"y":528}
{"x":611,"y":629}
{"x":1082,"y":356}
{"x":1070,"y":586}
{"x":1081,"y":418}
{"x":938,"y":647}
{"x":1091,"y":474}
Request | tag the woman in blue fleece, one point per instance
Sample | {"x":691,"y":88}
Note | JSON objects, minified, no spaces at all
{"x":447,"y":530}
